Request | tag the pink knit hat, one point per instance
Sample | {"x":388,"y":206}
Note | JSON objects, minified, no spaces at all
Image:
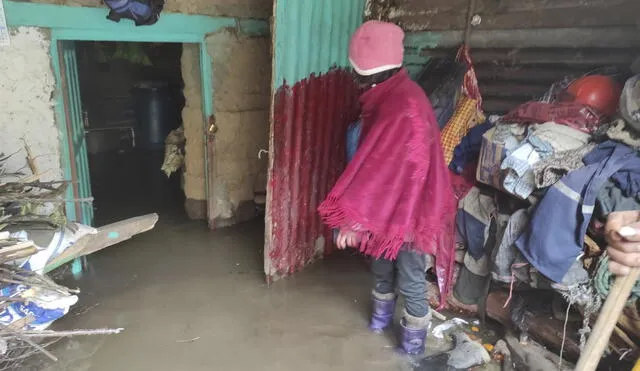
{"x":376,"y":47}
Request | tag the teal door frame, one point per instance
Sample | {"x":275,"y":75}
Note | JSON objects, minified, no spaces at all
{"x":90,"y":24}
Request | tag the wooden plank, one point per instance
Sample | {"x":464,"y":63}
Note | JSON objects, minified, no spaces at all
{"x":108,"y":235}
{"x":547,"y":331}
{"x":171,"y":26}
{"x":212,"y":174}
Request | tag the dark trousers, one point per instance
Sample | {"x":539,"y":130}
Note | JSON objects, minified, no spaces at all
{"x":410,"y":279}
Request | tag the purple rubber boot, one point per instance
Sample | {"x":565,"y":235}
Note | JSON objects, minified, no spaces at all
{"x":383,"y":307}
{"x":413,"y":334}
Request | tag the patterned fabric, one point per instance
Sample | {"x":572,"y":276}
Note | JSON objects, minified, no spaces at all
{"x":464,"y":118}
{"x":551,"y":169}
{"x":621,"y":132}
{"x":541,"y":142}
{"x":572,"y":114}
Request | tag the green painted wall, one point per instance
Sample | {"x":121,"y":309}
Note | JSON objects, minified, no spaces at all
{"x":414,"y":43}
{"x":312,"y":36}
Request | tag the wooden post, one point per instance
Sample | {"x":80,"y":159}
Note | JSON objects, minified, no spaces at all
{"x":468,"y":27}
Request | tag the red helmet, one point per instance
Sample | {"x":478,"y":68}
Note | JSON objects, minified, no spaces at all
{"x":597,"y":91}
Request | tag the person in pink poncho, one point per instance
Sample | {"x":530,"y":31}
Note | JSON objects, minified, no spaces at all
{"x":394,"y":201}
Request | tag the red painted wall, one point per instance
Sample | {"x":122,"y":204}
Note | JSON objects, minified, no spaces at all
{"x":308,"y":149}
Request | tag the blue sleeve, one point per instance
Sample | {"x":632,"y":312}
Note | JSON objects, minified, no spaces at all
{"x":353,"y":137}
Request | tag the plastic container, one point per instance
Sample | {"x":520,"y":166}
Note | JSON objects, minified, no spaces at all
{"x":156,"y":114}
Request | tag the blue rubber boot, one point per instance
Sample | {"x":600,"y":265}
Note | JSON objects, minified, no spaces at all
{"x":382,"y":315}
{"x":413,"y":334}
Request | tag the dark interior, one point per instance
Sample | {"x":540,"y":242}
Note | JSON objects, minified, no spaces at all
{"x":132,"y":98}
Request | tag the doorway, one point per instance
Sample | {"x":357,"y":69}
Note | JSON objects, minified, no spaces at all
{"x":121,"y":101}
{"x":131,"y":94}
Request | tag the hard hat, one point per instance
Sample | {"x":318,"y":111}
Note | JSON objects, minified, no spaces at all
{"x":597,"y":91}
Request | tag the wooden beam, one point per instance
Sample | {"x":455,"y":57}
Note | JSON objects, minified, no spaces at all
{"x":108,"y":235}
{"x":545,"y":330}
{"x":94,"y":20}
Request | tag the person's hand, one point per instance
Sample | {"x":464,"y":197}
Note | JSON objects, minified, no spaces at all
{"x":623,"y":237}
{"x":346,"y":238}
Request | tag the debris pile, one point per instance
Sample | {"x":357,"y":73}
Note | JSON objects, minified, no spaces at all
{"x":535,"y":187}
{"x":36,"y":238}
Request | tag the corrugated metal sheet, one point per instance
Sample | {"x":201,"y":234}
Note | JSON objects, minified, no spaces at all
{"x":510,"y":76}
{"x":446,"y":15}
{"x":311,"y":37}
{"x":521,"y":46}
{"x":314,"y":101}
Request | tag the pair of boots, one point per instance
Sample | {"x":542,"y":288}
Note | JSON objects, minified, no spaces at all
{"x":413,"y":330}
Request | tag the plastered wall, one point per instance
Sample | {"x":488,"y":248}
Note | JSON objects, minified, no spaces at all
{"x":241,"y":84}
{"x":242,"y":79}
{"x":26,"y":103}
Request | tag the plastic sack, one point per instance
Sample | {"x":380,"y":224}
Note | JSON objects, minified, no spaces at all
{"x":62,"y":240}
{"x":45,"y":306}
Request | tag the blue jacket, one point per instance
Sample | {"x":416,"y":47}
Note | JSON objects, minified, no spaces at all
{"x":469,"y":148}
{"x":555,"y":236}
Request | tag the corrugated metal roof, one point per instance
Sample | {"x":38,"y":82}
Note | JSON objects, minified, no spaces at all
{"x":520,"y":47}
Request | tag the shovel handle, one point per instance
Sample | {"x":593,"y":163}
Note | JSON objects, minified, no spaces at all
{"x":609,"y":315}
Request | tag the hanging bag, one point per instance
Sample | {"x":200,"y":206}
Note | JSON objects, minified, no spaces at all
{"x":142,"y":12}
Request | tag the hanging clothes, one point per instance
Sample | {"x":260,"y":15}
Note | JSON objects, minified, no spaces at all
{"x":612,"y":199}
{"x":465,"y":117}
{"x":541,"y":142}
{"x":555,"y":237}
{"x":621,"y":132}
{"x":469,"y":148}
{"x":550,"y":170}
{"x":473,"y":220}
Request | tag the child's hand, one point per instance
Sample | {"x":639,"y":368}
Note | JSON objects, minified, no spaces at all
{"x":346,"y":238}
{"x":623,"y":238}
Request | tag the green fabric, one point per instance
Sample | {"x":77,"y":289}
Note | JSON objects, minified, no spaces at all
{"x":603,"y":280}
